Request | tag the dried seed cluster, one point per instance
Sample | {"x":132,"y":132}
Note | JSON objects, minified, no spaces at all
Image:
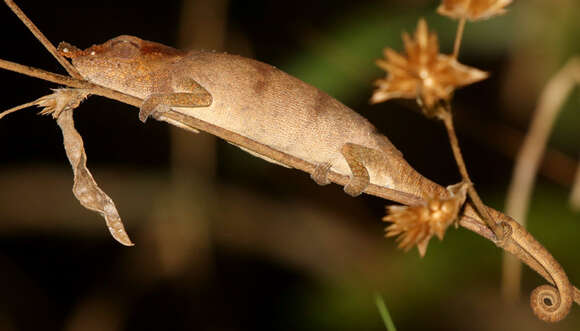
{"x":415,"y":225}
{"x":473,"y":10}
{"x":422,"y":72}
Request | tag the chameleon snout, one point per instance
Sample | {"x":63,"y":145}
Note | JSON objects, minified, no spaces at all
{"x":67,"y":50}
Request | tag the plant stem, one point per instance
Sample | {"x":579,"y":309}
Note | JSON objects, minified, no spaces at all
{"x":447,"y":118}
{"x":40,"y":36}
{"x":389,"y":325}
{"x":17,"y":108}
{"x":458,"y":37}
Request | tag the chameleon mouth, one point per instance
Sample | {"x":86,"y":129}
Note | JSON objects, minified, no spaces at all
{"x":69,"y":51}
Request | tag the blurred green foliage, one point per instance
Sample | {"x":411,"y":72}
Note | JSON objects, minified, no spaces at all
{"x":340,"y":59}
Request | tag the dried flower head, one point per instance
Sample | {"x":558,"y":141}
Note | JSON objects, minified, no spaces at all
{"x":415,"y":225}
{"x":422,"y":72}
{"x":473,"y":9}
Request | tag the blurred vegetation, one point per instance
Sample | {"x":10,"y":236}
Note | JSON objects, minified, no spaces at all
{"x":285,"y":254}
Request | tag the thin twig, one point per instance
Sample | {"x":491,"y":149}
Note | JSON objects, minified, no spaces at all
{"x":17,"y":108}
{"x":447,"y":118}
{"x":40,"y":36}
{"x":528,"y":161}
{"x":458,"y":37}
{"x":70,"y":82}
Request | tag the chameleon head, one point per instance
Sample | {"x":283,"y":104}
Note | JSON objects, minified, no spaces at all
{"x":120,"y":62}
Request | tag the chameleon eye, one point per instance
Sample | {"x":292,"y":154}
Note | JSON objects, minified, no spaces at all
{"x":125,"y":48}
{"x":119,"y":41}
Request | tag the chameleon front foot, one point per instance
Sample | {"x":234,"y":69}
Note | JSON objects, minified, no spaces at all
{"x":157,"y":104}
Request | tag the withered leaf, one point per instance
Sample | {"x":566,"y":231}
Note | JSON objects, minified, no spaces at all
{"x":60,"y":105}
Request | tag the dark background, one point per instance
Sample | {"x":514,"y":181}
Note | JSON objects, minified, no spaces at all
{"x":226,"y":241}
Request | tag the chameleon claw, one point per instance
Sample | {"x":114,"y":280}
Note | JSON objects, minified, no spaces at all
{"x":320,"y":174}
{"x":144,"y":115}
{"x":148,"y":108}
{"x":356,"y":186}
{"x":507,"y":231}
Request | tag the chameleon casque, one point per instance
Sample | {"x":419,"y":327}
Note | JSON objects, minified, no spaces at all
{"x":258,"y":101}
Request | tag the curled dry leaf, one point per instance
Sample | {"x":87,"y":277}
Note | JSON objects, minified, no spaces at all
{"x":422,"y":72}
{"x":473,"y":9}
{"x":415,"y":225}
{"x":60,"y":105}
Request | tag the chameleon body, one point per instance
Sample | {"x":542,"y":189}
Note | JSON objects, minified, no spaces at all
{"x":260,"y":102}
{"x":255,"y":100}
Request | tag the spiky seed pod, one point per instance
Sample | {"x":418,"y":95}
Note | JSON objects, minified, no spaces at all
{"x":422,"y":72}
{"x":415,"y":225}
{"x":473,"y":10}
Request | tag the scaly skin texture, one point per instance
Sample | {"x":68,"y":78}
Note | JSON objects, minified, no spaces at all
{"x":260,"y":102}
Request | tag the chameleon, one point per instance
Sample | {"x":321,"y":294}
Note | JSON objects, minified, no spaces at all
{"x":256,"y":100}
{"x":262,"y":103}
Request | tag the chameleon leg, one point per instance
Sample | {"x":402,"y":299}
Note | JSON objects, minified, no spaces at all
{"x":355,"y":156}
{"x":196,"y":96}
{"x":320,"y":174}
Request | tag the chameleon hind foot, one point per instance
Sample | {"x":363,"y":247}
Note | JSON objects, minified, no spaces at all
{"x":320,"y":174}
{"x":354,"y":154}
